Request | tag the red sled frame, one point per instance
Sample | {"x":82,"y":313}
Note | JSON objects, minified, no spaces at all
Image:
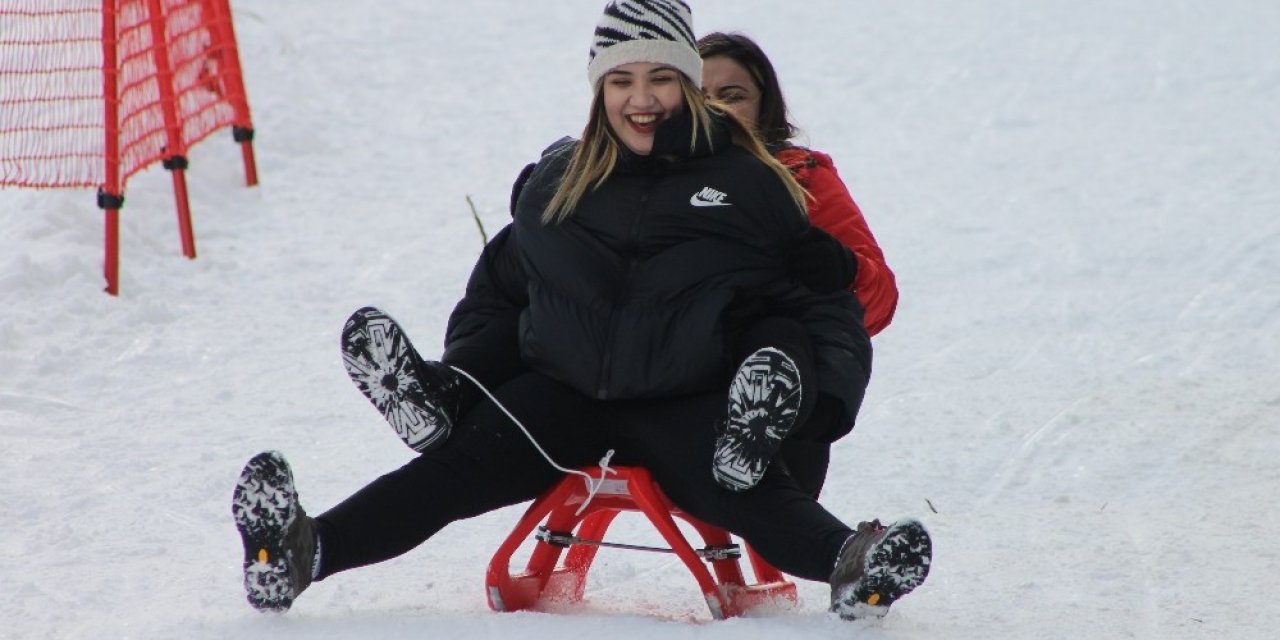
{"x":627,"y":489}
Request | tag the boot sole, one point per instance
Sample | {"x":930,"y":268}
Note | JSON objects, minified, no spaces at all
{"x":264,"y":504}
{"x":768,"y":413}
{"x":380,"y":361}
{"x":895,"y":566}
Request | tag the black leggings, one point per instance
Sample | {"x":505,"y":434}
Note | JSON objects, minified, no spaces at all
{"x":487,"y":463}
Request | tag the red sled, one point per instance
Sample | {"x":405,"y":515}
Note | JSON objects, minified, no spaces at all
{"x":626,"y":489}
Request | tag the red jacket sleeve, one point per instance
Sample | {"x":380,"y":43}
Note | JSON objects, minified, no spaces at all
{"x":834,"y":211}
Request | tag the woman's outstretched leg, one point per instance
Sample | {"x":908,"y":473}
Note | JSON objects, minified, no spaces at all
{"x":486,"y":463}
{"x":868,"y":568}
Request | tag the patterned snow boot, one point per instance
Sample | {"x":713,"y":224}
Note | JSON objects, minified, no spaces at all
{"x":419,"y":399}
{"x":878,"y":565}
{"x":279,"y":539}
{"x":764,"y":399}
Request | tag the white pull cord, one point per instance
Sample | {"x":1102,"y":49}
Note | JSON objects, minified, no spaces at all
{"x":593,"y":484}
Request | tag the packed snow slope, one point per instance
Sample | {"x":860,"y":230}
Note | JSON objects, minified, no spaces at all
{"x":1080,"y":395}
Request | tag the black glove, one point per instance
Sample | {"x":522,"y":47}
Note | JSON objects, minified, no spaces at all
{"x":821,"y":263}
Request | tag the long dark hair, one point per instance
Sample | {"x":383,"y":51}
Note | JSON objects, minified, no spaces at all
{"x":772,"y":126}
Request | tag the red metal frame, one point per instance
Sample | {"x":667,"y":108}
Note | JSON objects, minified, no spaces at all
{"x":630,"y":489}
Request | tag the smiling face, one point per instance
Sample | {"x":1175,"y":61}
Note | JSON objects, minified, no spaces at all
{"x":725,"y":80}
{"x":637,"y":98}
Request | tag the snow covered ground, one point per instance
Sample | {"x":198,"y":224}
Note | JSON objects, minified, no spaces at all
{"x":1080,"y":395}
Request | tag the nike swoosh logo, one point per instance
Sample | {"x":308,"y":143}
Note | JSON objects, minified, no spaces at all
{"x":699,"y":202}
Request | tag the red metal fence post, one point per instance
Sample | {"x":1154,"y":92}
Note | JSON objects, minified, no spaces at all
{"x":224,"y":37}
{"x":175,"y":154}
{"x":110,"y":196}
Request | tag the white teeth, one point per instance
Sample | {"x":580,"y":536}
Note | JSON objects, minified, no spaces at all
{"x":643,"y":118}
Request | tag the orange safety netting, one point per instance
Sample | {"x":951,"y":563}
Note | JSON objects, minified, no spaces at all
{"x":93,"y":91}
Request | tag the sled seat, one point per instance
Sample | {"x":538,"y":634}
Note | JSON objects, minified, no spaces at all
{"x":627,"y":489}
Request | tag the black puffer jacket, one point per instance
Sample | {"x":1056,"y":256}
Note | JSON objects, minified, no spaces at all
{"x":641,"y":292}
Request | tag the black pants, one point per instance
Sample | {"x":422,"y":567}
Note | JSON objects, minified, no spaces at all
{"x":487,"y":463}
{"x":806,"y":453}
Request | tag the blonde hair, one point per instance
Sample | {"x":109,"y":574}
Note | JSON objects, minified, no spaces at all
{"x":596,"y":156}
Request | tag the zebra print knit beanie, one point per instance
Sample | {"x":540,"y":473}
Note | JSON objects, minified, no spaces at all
{"x":658,"y":31}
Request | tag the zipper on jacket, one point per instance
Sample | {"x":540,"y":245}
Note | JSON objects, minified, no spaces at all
{"x":606,"y":361}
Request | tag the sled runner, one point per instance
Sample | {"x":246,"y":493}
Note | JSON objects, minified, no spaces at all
{"x":627,"y":489}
